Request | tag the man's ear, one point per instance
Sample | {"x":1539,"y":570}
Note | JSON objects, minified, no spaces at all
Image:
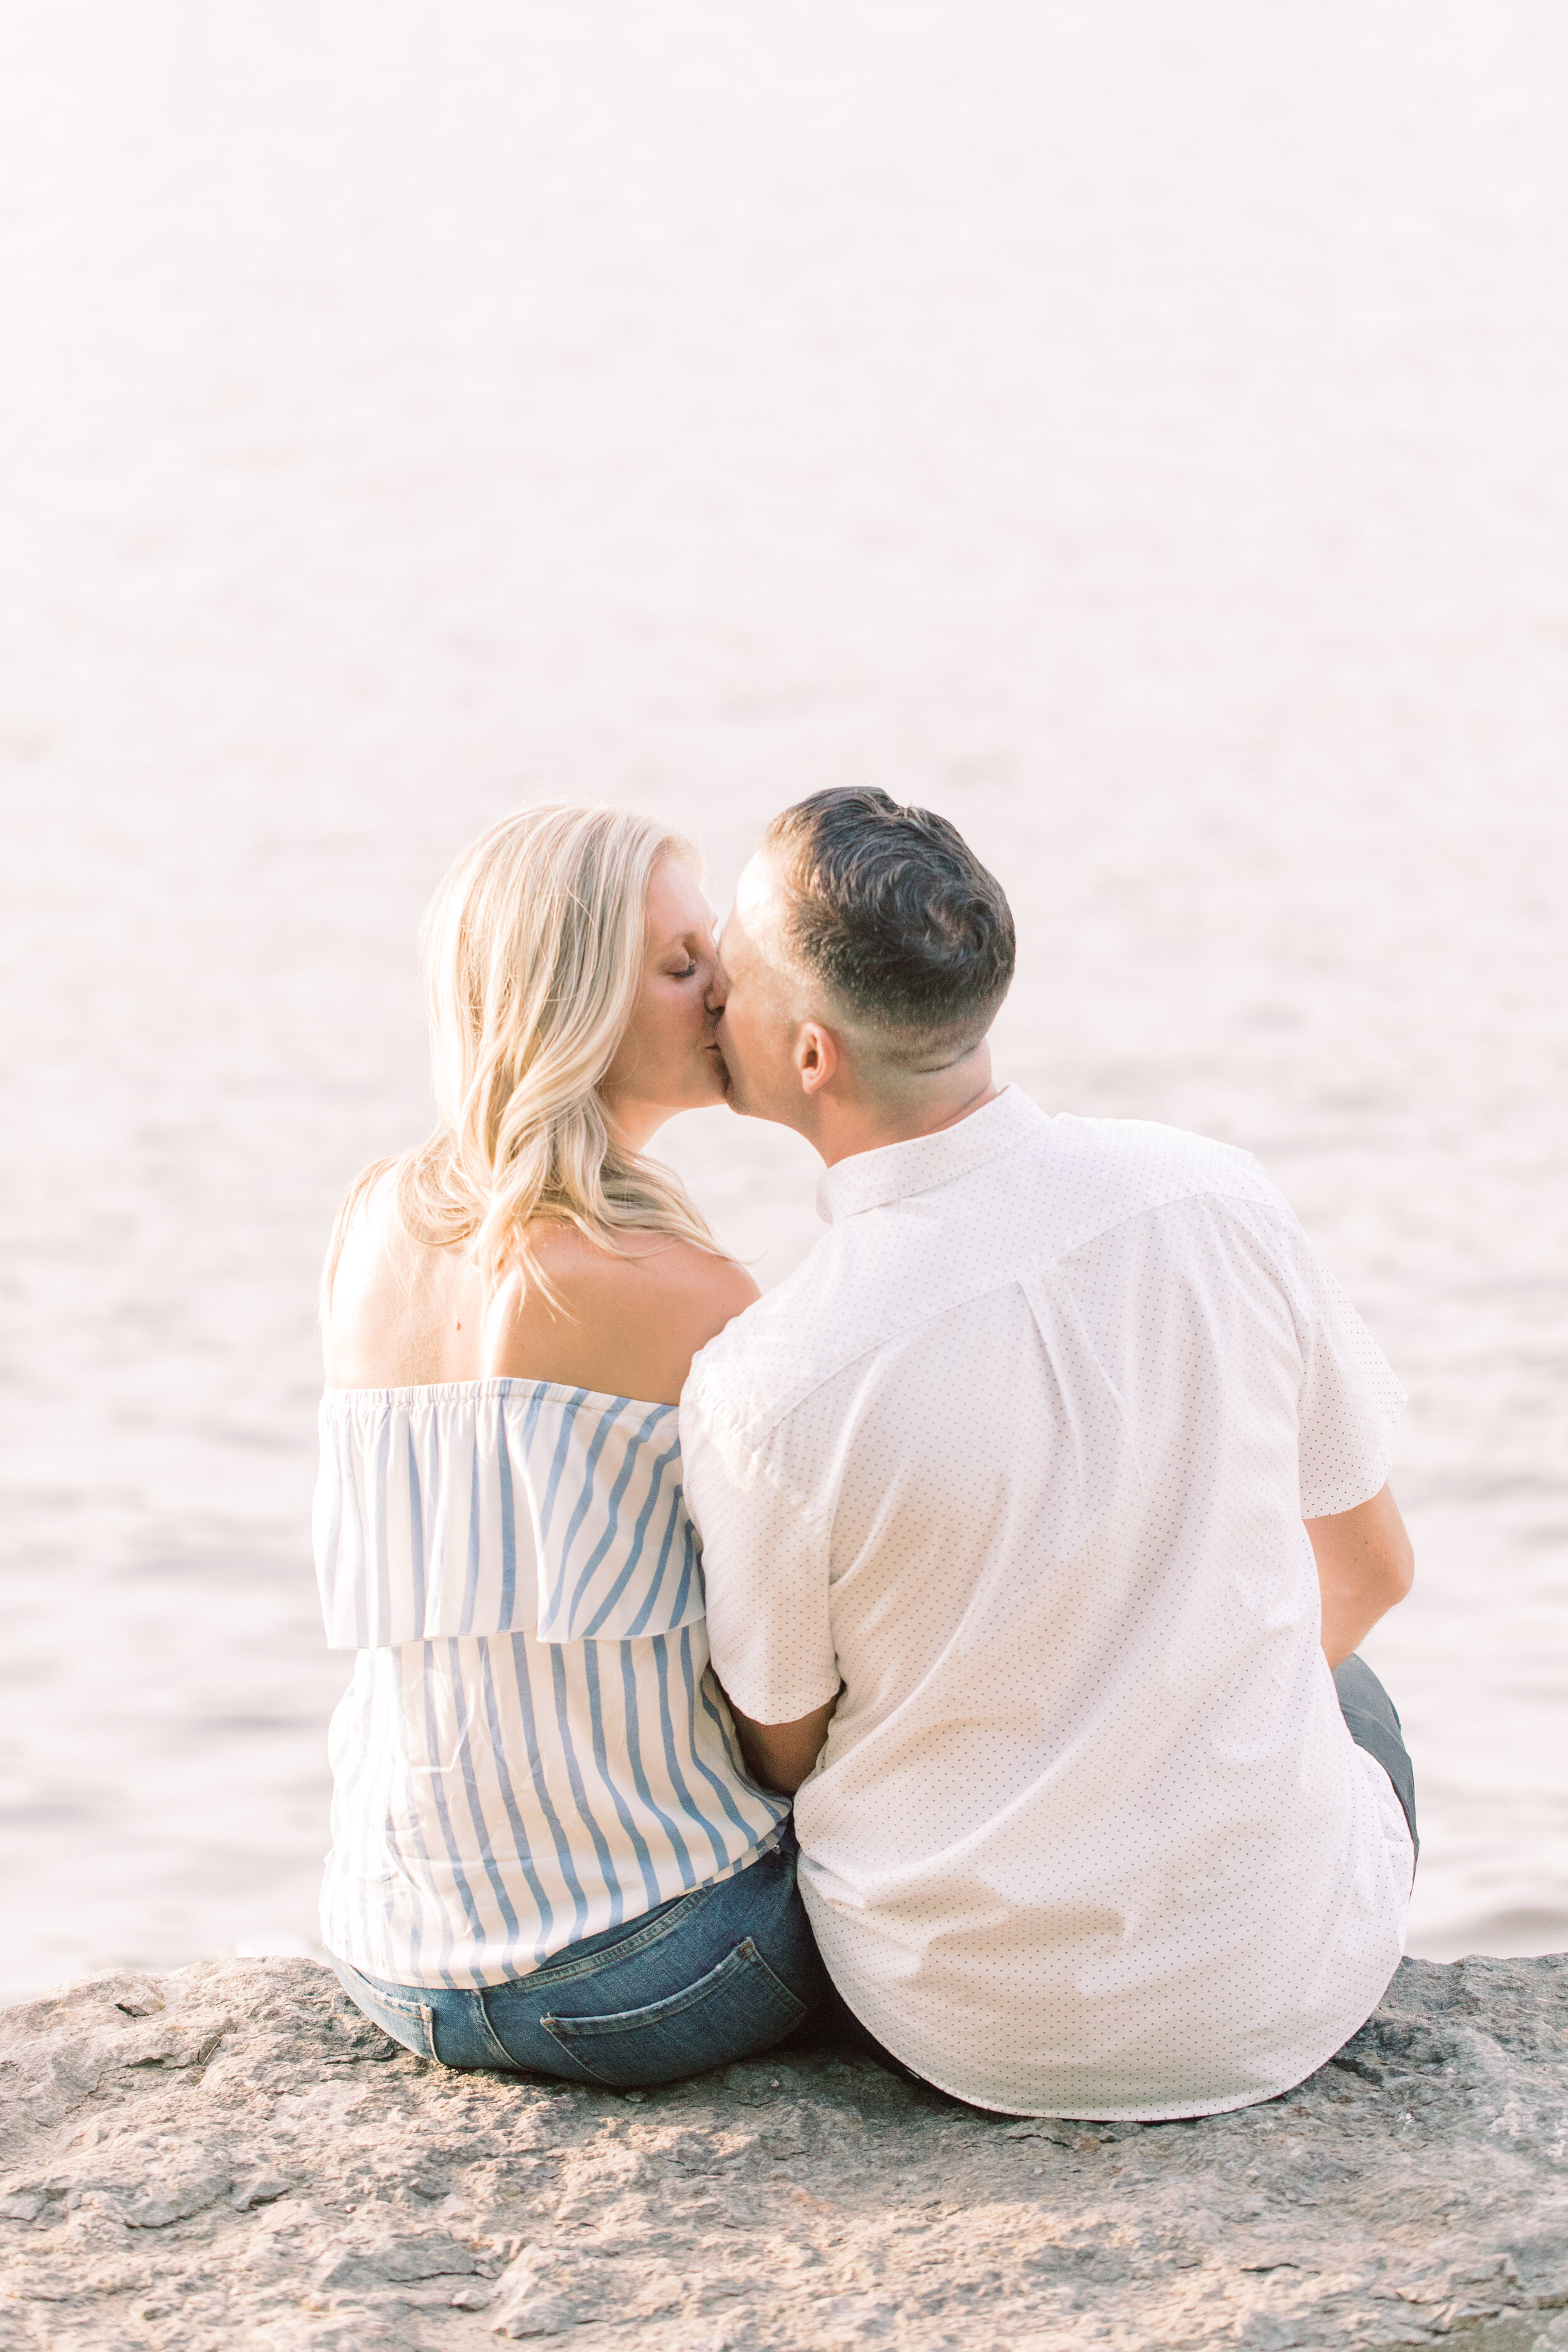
{"x":815,"y":1054}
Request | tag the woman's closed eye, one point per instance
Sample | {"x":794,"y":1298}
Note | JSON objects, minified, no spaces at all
{"x":694,"y":960}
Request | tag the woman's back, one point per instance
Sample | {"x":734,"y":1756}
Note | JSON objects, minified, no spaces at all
{"x":533,"y":1748}
{"x":402,"y":1314}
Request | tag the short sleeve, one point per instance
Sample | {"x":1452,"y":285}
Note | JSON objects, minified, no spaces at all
{"x":766,"y":1566}
{"x":1350,"y":1401}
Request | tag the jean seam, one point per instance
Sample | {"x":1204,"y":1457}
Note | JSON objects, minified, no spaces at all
{"x":639,"y":1940}
{"x":503,"y":2054}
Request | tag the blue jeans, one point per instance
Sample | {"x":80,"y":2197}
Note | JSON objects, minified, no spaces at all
{"x":1372,"y":1722}
{"x":715,"y":1975}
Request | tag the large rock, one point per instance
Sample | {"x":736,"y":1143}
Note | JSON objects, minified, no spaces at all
{"x":231,"y":2157}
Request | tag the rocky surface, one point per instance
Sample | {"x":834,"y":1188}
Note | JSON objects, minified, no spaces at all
{"x":231,"y":2157}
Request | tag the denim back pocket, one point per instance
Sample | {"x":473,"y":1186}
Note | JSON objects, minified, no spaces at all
{"x":738,"y":2008}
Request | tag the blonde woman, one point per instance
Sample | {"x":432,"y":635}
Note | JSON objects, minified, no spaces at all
{"x":547,"y":1852}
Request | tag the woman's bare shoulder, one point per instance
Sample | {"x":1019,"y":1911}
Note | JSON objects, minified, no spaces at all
{"x":641,"y":1261}
{"x":713,"y":1284}
{"x":358,"y":1265}
{"x":401,"y":1313}
{"x":627,"y":1322}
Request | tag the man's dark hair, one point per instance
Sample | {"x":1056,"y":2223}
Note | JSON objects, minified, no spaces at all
{"x":896,"y":916}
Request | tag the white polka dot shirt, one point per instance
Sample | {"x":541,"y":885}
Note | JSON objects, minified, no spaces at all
{"x":1020,"y":1456}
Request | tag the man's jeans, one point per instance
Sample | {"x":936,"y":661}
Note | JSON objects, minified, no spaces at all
{"x":1374,"y":1724}
{"x":715,"y":1975}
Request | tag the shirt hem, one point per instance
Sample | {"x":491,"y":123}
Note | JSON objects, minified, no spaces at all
{"x":771,"y":1720}
{"x":1165,"y":2112}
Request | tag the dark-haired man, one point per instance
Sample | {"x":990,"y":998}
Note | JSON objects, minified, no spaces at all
{"x":1036,"y":1507}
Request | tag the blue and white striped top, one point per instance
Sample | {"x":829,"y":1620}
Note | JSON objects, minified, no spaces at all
{"x":533,"y":1748}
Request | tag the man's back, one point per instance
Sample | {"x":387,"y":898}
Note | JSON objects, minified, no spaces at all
{"x":1022,"y":1454}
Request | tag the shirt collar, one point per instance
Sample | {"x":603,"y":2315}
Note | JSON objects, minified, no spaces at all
{"x":870,"y":1180}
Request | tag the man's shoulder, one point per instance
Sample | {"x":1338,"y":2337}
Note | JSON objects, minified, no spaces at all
{"x":1104,"y":1171}
{"x":782,"y":1347}
{"x":871,"y":1279}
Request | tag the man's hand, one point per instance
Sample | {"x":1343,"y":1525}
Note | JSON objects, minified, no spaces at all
{"x":1366,"y":1567}
{"x":780,"y":1755}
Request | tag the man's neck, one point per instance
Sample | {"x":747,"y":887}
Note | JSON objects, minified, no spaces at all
{"x":849,"y":1125}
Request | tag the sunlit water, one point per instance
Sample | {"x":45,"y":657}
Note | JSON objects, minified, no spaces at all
{"x":1138,"y":432}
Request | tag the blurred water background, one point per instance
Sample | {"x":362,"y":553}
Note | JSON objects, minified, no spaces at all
{"x":1137,"y":432}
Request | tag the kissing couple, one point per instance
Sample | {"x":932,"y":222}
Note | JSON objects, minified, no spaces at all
{"x":953,"y":1648}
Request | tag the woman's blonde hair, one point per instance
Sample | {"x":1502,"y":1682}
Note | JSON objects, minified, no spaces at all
{"x":531,"y":954}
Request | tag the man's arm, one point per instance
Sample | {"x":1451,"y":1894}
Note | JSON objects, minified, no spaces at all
{"x":780,"y":1755}
{"x":767,"y":1566}
{"x":1366,"y":1567}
